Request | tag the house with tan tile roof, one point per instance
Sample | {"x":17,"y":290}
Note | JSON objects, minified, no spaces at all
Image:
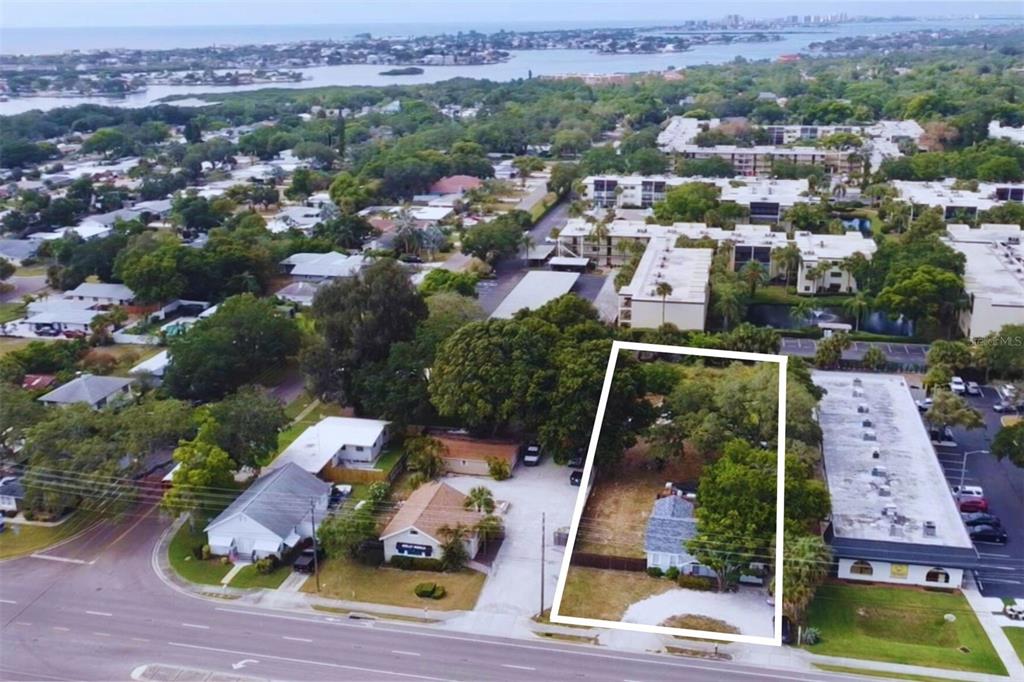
{"x":416,"y":530}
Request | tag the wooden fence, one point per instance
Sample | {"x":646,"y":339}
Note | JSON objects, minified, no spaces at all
{"x":618,"y":563}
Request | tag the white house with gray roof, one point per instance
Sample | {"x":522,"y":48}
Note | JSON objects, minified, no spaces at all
{"x":669,"y":526}
{"x":277,"y":512}
{"x":95,"y":391}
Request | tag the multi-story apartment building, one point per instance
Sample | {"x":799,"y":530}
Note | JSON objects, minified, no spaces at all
{"x":646,"y":302}
{"x":767,"y":200}
{"x":993,"y":276}
{"x":759,"y":159}
{"x":958,"y":202}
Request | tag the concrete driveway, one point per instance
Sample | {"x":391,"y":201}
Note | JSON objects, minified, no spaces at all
{"x":747,"y":610}
{"x":513,"y":586}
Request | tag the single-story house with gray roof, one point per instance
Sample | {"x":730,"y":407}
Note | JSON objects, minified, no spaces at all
{"x":278,"y":511}
{"x":96,"y":391}
{"x":669,"y":526}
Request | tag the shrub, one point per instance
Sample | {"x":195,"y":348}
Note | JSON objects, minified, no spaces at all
{"x":672,"y":573}
{"x":205,"y":552}
{"x":655,"y":572}
{"x":498,"y":468}
{"x":224,"y":560}
{"x":266,"y":565}
{"x":697,"y":582}
{"x":98,"y":362}
{"x":812,"y":635}
{"x":429,"y":591}
{"x":412,"y":563}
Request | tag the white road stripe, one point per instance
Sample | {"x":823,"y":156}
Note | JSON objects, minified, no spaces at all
{"x":102,"y":634}
{"x":99,"y":613}
{"x":404,"y":653}
{"x":295,"y":639}
{"x":198,"y":627}
{"x":7,"y":601}
{"x":139,"y":639}
{"x":517,"y":667}
{"x":59,"y":558}
{"x":60,"y":628}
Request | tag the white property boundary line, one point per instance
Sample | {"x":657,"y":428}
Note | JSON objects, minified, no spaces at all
{"x":581,"y":498}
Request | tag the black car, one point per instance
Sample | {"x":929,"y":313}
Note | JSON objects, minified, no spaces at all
{"x":987,"y":534}
{"x":306,"y":563}
{"x":981,"y":519}
{"x":531,"y":454}
{"x":576,"y":461}
{"x":576,"y":478}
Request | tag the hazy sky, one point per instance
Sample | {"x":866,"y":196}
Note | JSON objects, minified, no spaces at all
{"x":25,"y":13}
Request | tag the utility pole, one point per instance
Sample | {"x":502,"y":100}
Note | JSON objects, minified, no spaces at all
{"x":316,"y":549}
{"x":542,"y":532}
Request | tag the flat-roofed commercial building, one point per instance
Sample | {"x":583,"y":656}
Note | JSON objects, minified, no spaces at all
{"x":894,"y":519}
{"x":958,"y":202}
{"x":682,"y":130}
{"x":534,"y":290}
{"x":766,"y":199}
{"x":685,"y":301}
{"x":993,"y":276}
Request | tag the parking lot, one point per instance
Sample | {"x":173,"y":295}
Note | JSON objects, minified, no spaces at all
{"x":899,"y":353}
{"x":1002,"y":573}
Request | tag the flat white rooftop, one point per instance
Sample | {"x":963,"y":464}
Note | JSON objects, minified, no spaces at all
{"x":833,"y":247}
{"x":890,"y":498}
{"x":994,"y":270}
{"x":315,"y":447}
{"x":534,"y":290}
{"x":942,"y":193}
{"x":685,"y":270}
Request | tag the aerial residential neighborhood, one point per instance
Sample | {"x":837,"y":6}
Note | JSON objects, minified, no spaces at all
{"x":470,"y":368}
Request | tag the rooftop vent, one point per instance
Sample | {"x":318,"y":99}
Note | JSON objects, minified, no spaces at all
{"x":878,"y":471}
{"x":889,"y":510}
{"x":895,"y":531}
{"x":863,"y":408}
{"x":876,"y":454}
{"x":929,"y":529}
{"x":870,"y":435}
{"x":857,"y":393}
{"x":867,"y":423}
{"x":857,"y":381}
{"x":884,"y":491}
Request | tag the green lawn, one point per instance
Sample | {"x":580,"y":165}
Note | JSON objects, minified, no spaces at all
{"x":1016,"y":637}
{"x":877,"y":673}
{"x":184,"y":562}
{"x":18,"y":539}
{"x":387,"y":461}
{"x":11,"y":311}
{"x":901,"y":626}
{"x":250,"y":577}
{"x":346,"y":579}
{"x":285,"y":438}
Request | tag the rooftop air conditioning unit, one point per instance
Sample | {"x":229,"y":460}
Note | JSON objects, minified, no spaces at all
{"x":879,"y":471}
{"x":929,"y":529}
{"x":857,"y":382}
{"x":884,"y":491}
{"x":889,"y":510}
{"x":866,"y":423}
{"x":870,"y":435}
{"x":863,"y":408}
{"x":876,"y":454}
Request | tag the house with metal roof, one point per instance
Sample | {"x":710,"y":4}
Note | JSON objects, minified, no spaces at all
{"x":95,"y":391}
{"x":101,"y":293}
{"x":277,"y":512}
{"x":336,"y":442}
{"x":669,"y":526}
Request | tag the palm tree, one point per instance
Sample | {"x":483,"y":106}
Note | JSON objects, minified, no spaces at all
{"x":754,"y":275}
{"x":788,"y":258}
{"x":406,"y":231}
{"x":802,"y":310}
{"x":815,"y":273}
{"x":598,"y":236}
{"x":117,"y":316}
{"x":481,"y":499}
{"x":857,"y":306}
{"x":426,"y":459}
{"x":454,"y":555}
{"x":804,"y":568}
{"x":728,"y":303}
{"x":488,"y":529}
{"x":663,"y":289}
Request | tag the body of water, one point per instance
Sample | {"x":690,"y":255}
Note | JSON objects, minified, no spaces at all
{"x":523,"y":64}
{"x":781,"y":317}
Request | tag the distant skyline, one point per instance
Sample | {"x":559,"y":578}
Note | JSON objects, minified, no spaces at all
{"x":168,"y":13}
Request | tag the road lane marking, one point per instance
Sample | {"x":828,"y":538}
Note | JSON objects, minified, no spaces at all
{"x":102,"y":634}
{"x":296,"y":639}
{"x":127,"y":530}
{"x":99,"y":613}
{"x":61,"y":628}
{"x":59,"y":558}
{"x":517,"y":667}
{"x":309,"y":662}
{"x":198,"y":627}
{"x":139,"y":639}
{"x":22,"y":622}
{"x":7,"y":601}
{"x":404,"y":653}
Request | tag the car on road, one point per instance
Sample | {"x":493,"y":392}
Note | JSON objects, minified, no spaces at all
{"x":576,"y":478}
{"x":988,"y":534}
{"x":957,"y":386}
{"x":973,"y":388}
{"x":973,"y":504}
{"x":531,"y":454}
{"x":924,"y":404}
{"x":981,"y":519}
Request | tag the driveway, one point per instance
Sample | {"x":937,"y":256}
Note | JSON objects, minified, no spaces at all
{"x":22,"y":286}
{"x":513,"y":586}
{"x":747,"y":610}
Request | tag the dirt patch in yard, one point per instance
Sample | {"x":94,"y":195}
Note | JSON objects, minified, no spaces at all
{"x":615,"y":517}
{"x":690,"y":621}
{"x":604,"y":594}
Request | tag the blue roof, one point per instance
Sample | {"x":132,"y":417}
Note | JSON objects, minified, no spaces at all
{"x":670,"y":525}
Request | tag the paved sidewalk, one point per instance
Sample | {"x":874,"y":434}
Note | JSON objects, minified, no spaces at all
{"x":988,"y":610}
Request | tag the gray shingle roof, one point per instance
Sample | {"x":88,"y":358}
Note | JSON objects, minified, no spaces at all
{"x":87,"y":388}
{"x":278,"y":501}
{"x":670,"y":525}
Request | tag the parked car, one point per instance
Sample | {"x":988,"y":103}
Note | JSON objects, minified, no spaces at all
{"x":1006,"y":406}
{"x":577,"y":460}
{"x":531,"y":454}
{"x":924,"y":404}
{"x":1014,"y":611}
{"x":306,"y":562}
{"x":338,"y":493}
{"x":576,"y":478}
{"x":988,"y":534}
{"x":957,"y":386}
{"x":981,"y":519}
{"x":47,"y":331}
{"x":973,"y":388}
{"x":973,"y":504}
{"x":74,"y":334}
{"x":943,"y":436}
{"x":968,"y":491}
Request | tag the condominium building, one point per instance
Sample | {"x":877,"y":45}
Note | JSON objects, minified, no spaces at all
{"x":682,"y":130}
{"x":823,"y":258}
{"x":759,"y":159}
{"x":646,"y":302}
{"x":993,"y":276}
{"x":766,"y":199}
{"x":958,"y":201}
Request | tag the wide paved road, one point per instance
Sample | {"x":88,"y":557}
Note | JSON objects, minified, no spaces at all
{"x":102,"y":611}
